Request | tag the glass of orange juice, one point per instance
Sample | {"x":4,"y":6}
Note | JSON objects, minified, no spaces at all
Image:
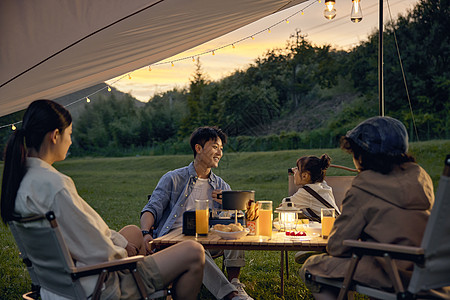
{"x":327,"y":216}
{"x":201,"y":217}
{"x":265,"y":218}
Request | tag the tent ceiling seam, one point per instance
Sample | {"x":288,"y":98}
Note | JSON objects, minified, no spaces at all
{"x":81,"y":39}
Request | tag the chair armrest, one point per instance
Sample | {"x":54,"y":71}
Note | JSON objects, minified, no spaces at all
{"x":113,"y":265}
{"x":415,"y":254}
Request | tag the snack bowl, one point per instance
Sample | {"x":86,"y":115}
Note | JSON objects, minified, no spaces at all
{"x":231,"y":235}
{"x":313,"y":229}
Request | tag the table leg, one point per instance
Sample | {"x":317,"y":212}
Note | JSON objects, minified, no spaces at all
{"x":282,"y":273}
{"x":286,"y":257}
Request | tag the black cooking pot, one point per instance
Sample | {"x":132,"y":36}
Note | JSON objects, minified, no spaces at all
{"x":236,"y":200}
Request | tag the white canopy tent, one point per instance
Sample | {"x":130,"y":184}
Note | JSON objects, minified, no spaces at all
{"x":50,"y":48}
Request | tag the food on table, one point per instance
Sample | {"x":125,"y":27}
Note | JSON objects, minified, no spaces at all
{"x":293,"y":233}
{"x":229,"y":227}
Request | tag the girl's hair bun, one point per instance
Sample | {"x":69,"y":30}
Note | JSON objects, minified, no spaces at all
{"x":325,"y":161}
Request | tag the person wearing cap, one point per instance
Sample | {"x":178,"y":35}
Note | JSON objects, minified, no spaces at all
{"x":389,"y":202}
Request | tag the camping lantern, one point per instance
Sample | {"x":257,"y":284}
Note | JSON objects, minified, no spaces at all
{"x":287,"y":215}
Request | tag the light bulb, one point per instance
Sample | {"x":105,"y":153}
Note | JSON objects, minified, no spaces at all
{"x":329,"y":12}
{"x":109,"y":89}
{"x":303,"y":13}
{"x":287,"y":21}
{"x":213,"y":53}
{"x":13,"y":127}
{"x":356,"y":15}
{"x":172,"y":64}
{"x":232,"y":45}
{"x":88,"y":100}
{"x":268,"y":30}
{"x":253,"y":37}
{"x":193,"y":59}
{"x":129,"y":76}
{"x":149,"y":68}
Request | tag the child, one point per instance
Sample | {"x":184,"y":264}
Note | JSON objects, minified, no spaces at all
{"x":310,"y":172}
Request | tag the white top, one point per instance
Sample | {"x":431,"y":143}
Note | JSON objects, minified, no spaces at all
{"x":303,"y":199}
{"x":87,"y":236}
{"x":202,"y":190}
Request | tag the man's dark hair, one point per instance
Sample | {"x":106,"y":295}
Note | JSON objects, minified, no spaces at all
{"x":381,"y":163}
{"x":204,"y":134}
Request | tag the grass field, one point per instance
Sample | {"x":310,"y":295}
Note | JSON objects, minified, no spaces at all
{"x":117,"y":188}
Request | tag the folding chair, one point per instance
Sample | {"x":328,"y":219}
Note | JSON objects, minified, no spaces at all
{"x":51,"y":266}
{"x":431,"y":275}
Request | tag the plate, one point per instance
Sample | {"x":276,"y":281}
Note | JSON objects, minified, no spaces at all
{"x":233,"y":235}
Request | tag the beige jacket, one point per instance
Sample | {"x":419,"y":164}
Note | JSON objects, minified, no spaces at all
{"x":391,"y":208}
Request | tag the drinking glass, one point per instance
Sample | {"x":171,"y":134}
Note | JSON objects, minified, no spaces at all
{"x":265,"y":218}
{"x":327,"y":216}
{"x":201,"y":217}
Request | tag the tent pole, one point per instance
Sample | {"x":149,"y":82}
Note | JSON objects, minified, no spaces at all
{"x":380,"y":61}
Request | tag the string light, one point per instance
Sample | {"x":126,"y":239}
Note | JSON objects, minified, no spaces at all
{"x":149,"y":68}
{"x":13,"y":127}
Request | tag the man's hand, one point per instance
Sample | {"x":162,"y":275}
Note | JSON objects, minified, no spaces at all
{"x":148,"y":238}
{"x":214,"y":196}
{"x":132,"y":249}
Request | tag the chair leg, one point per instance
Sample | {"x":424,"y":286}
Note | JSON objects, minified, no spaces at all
{"x":98,"y":285}
{"x":348,"y":277}
{"x":139,"y":283}
{"x":393,"y":274}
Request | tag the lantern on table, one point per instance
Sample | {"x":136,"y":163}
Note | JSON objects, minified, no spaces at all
{"x":287,"y":215}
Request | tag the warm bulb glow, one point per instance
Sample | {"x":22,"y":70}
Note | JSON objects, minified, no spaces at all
{"x":109,"y":89}
{"x":88,"y":100}
{"x":303,"y":12}
{"x":13,"y":127}
{"x":268,"y":30}
{"x":253,"y":37}
{"x":287,"y":21}
{"x":356,"y":15}
{"x":172,"y":64}
{"x":232,"y":45}
{"x":129,"y":76}
{"x":329,"y":12}
{"x":213,"y":53}
{"x":149,"y":68}
{"x":193,"y":59}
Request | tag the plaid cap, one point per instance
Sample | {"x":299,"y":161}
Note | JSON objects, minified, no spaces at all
{"x":380,"y":135}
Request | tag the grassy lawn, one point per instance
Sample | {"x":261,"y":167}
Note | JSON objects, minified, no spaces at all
{"x":117,"y":188}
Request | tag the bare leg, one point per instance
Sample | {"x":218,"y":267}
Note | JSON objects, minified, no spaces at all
{"x":133,"y":234}
{"x":182,"y":264}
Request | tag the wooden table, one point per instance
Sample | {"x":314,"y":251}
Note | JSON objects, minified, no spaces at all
{"x":278,"y":242}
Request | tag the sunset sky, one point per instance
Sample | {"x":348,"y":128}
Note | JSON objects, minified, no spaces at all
{"x":340,"y":32}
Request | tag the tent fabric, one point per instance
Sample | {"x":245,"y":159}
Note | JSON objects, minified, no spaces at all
{"x":50,"y":48}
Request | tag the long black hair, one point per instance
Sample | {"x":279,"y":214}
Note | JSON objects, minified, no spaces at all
{"x":41,"y":117}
